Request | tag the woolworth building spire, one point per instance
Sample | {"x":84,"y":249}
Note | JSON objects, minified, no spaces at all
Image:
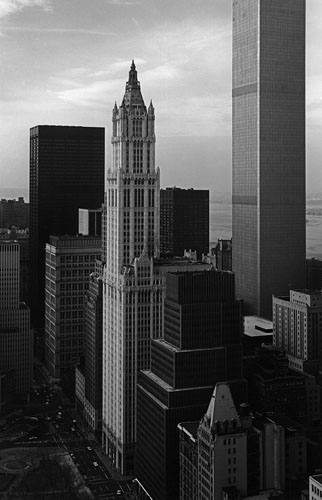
{"x":132,"y":293}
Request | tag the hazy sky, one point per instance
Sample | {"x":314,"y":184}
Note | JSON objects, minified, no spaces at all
{"x":66,"y":62}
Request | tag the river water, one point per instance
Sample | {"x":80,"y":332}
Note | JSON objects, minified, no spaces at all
{"x":220,"y":222}
{"x":220,"y":218}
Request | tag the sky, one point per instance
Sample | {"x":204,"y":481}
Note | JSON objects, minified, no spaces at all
{"x":66,"y":62}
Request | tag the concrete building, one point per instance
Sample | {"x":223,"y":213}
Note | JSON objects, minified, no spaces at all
{"x":268,"y":150}
{"x":132,"y":293}
{"x":184,"y":221}
{"x":231,"y":454}
{"x":283,"y":452}
{"x":315,"y":487}
{"x":16,"y":343}
{"x":222,"y":443}
{"x":188,"y":460}
{"x":69,"y":262}
{"x":256,"y":332}
{"x":222,"y":253}
{"x":214,"y":452}
{"x":22,"y":237}
{"x":66,"y":172}
{"x":14,"y":213}
{"x":88,"y":386}
{"x":272,"y":384}
{"x":297,"y":320}
{"x":90,"y":221}
{"x":201,"y":346}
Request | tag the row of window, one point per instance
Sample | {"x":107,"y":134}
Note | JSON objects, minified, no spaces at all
{"x":77,"y":259}
{"x":316,"y":491}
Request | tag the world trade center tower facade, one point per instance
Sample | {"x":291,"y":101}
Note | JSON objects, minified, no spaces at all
{"x":268,"y":150}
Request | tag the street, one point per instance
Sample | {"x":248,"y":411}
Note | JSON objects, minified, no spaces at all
{"x":45,"y":422}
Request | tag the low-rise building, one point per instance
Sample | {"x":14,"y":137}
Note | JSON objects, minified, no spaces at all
{"x":272,"y":384}
{"x":256,"y":332}
{"x":297,"y":321}
{"x":315,"y":487}
{"x":14,"y":213}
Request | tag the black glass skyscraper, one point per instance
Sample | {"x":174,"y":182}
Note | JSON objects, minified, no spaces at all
{"x":66,"y":173}
{"x":201,"y":346}
{"x":184,"y":221}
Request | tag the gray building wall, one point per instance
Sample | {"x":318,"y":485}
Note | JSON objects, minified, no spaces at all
{"x":268,"y":150}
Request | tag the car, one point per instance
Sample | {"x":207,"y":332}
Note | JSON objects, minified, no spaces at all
{"x":119,"y":492}
{"x":89,"y":448}
{"x":72,"y":429}
{"x":95,"y":464}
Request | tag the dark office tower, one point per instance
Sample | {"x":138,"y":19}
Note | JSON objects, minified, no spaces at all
{"x":184,"y":221}
{"x":201,"y":346}
{"x":222,"y":253}
{"x":314,"y":274}
{"x":66,"y":172}
{"x":268,"y":150}
{"x":14,"y":213}
{"x":273,"y":385}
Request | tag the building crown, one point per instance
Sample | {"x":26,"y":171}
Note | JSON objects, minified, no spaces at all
{"x":222,"y":416}
{"x":132,"y":98}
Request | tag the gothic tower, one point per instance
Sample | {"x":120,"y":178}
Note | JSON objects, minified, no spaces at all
{"x":132,"y":294}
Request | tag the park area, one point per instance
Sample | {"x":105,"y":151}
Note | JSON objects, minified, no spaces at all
{"x":39,"y":474}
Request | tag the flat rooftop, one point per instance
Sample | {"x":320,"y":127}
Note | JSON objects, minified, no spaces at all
{"x":190,"y":428}
{"x":255,"y":326}
{"x":318,"y":478}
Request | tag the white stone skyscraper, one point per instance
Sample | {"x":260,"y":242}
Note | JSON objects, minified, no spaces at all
{"x":268,"y":150}
{"x":131,"y":293}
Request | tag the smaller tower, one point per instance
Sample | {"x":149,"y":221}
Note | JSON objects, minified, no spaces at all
{"x":222,"y":447}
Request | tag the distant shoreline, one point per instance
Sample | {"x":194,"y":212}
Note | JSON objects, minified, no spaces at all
{"x":14,"y":193}
{"x":215,"y":197}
